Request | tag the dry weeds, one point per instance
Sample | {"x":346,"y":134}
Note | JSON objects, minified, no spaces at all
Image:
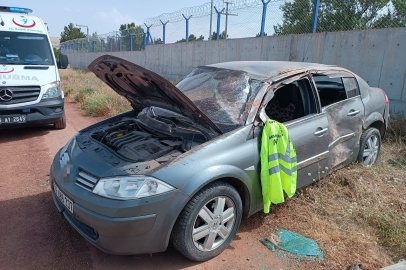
{"x":355,"y":214}
{"x":93,"y":95}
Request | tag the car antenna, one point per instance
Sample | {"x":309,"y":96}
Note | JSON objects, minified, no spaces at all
{"x":304,"y":56}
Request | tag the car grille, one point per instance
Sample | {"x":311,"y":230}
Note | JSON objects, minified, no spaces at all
{"x":21,"y":94}
{"x":86,"y":180}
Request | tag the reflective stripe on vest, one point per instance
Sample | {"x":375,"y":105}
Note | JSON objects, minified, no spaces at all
{"x":285,"y":158}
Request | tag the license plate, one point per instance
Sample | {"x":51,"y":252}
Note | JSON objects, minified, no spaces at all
{"x":63,"y":199}
{"x":13,"y":119}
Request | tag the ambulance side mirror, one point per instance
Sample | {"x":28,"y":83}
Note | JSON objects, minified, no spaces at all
{"x":63,"y":61}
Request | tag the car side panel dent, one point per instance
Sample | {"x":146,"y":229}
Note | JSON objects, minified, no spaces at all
{"x":371,"y":118}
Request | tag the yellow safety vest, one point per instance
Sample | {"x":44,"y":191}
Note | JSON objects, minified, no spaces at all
{"x":278,"y":164}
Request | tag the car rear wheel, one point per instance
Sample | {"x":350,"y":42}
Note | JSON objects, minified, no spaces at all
{"x":208,"y":223}
{"x":61,"y":124}
{"x":370,"y":146}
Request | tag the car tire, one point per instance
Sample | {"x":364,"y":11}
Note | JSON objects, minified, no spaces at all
{"x":370,"y":146}
{"x":221,"y":199}
{"x":61,"y":124}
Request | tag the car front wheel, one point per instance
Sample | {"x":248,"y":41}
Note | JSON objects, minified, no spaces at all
{"x":208,"y":223}
{"x":370,"y":146}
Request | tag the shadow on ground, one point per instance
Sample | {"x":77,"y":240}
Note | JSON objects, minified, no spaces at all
{"x":35,"y":235}
{"x":23,"y":133}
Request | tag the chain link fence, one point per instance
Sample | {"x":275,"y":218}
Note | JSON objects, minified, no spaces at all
{"x":248,"y":18}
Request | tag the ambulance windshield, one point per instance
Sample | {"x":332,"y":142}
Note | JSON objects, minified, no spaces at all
{"x":24,"y":49}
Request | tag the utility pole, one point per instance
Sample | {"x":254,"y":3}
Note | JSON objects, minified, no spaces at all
{"x":227,"y":16}
{"x":86,"y":28}
{"x":211,"y":16}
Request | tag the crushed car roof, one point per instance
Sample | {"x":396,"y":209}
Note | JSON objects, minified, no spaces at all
{"x":262,"y":70}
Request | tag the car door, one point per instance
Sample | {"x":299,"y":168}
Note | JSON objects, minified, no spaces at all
{"x":345,"y":114}
{"x":310,"y":137}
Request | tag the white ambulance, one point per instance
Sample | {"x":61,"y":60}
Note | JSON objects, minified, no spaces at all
{"x":30,"y":90}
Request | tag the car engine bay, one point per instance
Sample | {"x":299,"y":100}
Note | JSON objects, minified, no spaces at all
{"x":153,"y":137}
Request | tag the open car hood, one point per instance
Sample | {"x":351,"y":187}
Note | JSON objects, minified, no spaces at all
{"x":144,"y":88}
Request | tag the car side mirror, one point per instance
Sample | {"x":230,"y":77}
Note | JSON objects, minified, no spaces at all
{"x":63,"y":61}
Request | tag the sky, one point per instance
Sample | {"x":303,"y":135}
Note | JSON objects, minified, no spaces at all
{"x":101,"y":16}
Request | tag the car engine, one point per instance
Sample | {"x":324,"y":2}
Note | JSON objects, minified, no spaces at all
{"x":154,"y":134}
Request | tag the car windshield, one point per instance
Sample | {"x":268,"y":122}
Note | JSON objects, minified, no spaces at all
{"x":224,"y":95}
{"x":24,"y":49}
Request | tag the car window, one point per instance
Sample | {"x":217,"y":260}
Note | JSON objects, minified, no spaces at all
{"x":224,"y":95}
{"x":331,"y":90}
{"x":351,"y":86}
{"x":292,"y":101}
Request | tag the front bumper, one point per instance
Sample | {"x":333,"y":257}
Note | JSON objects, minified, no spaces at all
{"x":121,"y":227}
{"x":44,"y":112}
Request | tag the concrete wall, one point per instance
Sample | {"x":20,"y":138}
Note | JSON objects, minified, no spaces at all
{"x":378,"y":56}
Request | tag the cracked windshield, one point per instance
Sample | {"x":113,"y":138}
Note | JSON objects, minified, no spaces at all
{"x":224,"y":95}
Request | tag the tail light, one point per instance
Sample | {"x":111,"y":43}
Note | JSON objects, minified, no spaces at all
{"x":386,"y":97}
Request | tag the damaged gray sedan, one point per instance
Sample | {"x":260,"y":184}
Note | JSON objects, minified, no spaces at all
{"x":184,"y":164}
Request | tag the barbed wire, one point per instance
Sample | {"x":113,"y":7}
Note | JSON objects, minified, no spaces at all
{"x":202,"y":10}
{"x":283,"y":17}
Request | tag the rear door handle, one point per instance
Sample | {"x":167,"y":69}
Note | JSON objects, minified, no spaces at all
{"x":320,"y":131}
{"x":353,"y":112}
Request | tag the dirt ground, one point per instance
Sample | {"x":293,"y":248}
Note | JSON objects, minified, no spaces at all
{"x":355,"y":214}
{"x":34,"y":235}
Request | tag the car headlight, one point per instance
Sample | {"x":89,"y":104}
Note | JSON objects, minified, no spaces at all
{"x":52,"y":90}
{"x":130,"y":187}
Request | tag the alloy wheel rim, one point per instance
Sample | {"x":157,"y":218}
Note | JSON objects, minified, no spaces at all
{"x":214,"y":223}
{"x":371,"y":151}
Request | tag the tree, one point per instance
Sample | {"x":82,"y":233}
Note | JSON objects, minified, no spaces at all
{"x":57,"y":52}
{"x":222,"y":35}
{"x":333,"y":15}
{"x":158,"y":41}
{"x":395,"y":16}
{"x":259,"y":34}
{"x":192,"y":38}
{"x":71,"y":32}
{"x":137,"y":33}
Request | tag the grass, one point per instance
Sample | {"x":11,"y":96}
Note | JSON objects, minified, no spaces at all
{"x":355,"y":214}
{"x":94,"y":96}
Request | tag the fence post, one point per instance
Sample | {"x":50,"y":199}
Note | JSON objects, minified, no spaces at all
{"x":101,"y":43}
{"x":88,"y":46}
{"x":144,"y":41}
{"x":264,"y":7}
{"x":149,"y":34}
{"x":121,"y":44}
{"x":187,"y":26}
{"x":83,"y":48}
{"x":131,"y":40}
{"x":94,"y":45}
{"x":218,"y":21}
{"x":164,"y":25}
{"x":316,"y":13}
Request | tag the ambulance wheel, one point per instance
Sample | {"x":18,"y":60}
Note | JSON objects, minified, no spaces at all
{"x":61,"y":124}
{"x":208,"y":223}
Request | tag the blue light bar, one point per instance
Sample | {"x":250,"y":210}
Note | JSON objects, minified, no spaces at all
{"x":16,"y":9}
